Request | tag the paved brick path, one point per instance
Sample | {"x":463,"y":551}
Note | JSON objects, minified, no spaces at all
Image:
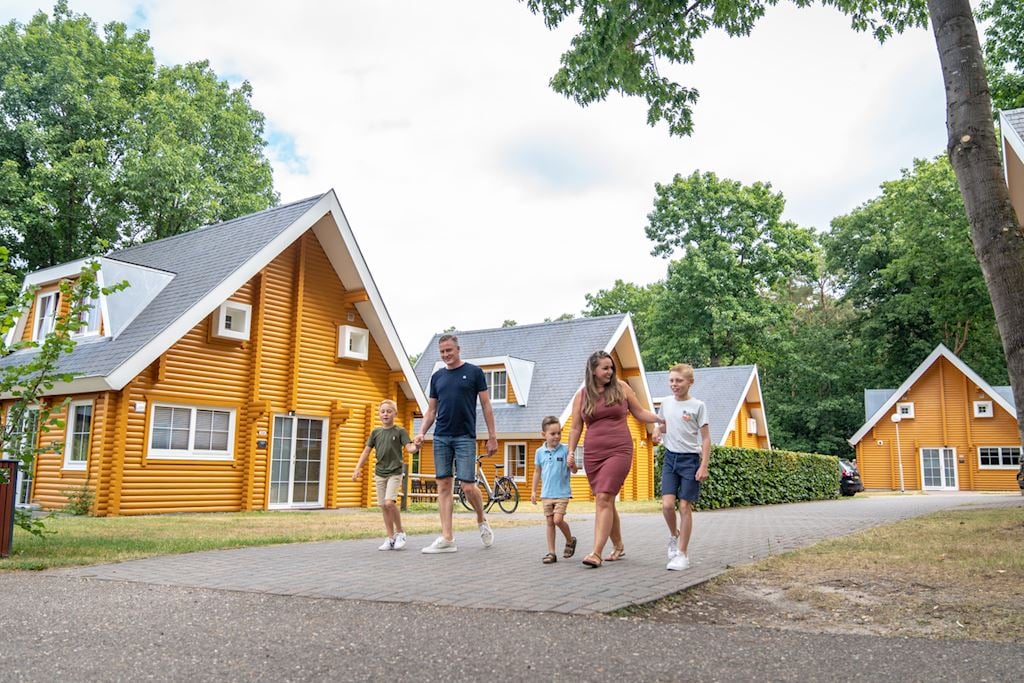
{"x":510,"y":574}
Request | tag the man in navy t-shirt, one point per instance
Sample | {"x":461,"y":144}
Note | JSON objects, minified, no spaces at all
{"x":454,"y":391}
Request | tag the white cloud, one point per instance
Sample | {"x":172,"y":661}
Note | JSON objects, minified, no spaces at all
{"x":478,"y":195}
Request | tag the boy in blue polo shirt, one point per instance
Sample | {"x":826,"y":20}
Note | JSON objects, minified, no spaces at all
{"x":552,"y":468}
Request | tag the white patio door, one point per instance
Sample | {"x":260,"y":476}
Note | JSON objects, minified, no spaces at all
{"x":297,"y":462}
{"x":938,"y":469}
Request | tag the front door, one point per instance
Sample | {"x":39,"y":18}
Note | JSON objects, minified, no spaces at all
{"x":297,"y":462}
{"x":938,"y":469}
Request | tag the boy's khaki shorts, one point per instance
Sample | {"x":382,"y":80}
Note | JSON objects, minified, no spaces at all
{"x":387,"y":487}
{"x":553,"y":505}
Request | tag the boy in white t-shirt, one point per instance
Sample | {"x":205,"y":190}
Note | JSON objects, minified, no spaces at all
{"x":687,"y":440}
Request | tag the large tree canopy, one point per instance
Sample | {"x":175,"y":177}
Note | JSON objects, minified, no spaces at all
{"x":97,"y":141}
{"x":620,"y":43}
{"x":1004,"y":51}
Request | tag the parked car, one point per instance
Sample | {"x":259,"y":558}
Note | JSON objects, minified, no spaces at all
{"x":849,"y":478}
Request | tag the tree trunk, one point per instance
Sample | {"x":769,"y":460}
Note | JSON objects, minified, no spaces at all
{"x":974,"y":153}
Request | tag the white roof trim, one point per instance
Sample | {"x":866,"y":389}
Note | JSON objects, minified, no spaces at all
{"x":1011,"y":136}
{"x":376,"y":316}
{"x":940,"y":352}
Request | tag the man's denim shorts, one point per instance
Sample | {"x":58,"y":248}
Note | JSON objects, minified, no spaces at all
{"x":679,"y":476}
{"x":457,"y":450}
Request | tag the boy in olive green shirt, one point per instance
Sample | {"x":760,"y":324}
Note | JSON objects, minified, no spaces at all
{"x":388,"y":441}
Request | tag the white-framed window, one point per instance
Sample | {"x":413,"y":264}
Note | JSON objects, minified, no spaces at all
{"x":233,"y":321}
{"x":90,"y":318}
{"x":999,"y":457}
{"x":46,"y":315}
{"x":515,"y":461}
{"x":353,"y":342}
{"x":983,"y":409}
{"x":181,"y":432}
{"x":497,"y":384}
{"x":23,"y":437}
{"x":77,"y":435}
{"x":905,"y":410}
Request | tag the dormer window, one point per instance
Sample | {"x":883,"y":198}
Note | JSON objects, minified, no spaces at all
{"x":497,"y":384}
{"x":983,"y":409}
{"x":233,"y":320}
{"x":46,"y":315}
{"x":90,"y":318}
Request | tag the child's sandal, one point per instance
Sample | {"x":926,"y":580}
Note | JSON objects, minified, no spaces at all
{"x":570,"y":548}
{"x":550,"y":558}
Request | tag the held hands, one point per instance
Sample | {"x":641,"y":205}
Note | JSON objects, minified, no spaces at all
{"x":571,"y":464}
{"x":418,"y":440}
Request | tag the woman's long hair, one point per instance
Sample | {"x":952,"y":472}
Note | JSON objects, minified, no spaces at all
{"x":613,"y":394}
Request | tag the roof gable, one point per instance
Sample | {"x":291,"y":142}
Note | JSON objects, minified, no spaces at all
{"x":207,"y":266}
{"x":552,"y":356}
{"x":723,"y":390}
{"x":940,"y":351}
{"x":1011,"y":126}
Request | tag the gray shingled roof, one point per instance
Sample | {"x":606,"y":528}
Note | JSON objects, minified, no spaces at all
{"x":560,"y":351}
{"x":200,"y":260}
{"x":1015,"y":117}
{"x":721,"y":389}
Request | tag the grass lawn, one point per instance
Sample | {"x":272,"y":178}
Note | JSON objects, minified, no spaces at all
{"x":955,"y":574}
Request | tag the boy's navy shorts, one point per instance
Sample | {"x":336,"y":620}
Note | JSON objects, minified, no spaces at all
{"x":679,"y":476}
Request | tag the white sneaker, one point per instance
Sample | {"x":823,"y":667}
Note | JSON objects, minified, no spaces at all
{"x":388,"y":544}
{"x":440,"y":545}
{"x":486,"y":535}
{"x":399,"y":540}
{"x":673,"y":546}
{"x":678,"y":563}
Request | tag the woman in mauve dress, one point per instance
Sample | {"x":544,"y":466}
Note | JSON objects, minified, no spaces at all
{"x":602,"y":404}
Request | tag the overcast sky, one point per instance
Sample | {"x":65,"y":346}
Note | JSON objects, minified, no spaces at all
{"x":477,"y":194}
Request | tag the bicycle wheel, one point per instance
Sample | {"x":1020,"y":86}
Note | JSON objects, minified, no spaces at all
{"x":462,"y":495}
{"x":507,"y":493}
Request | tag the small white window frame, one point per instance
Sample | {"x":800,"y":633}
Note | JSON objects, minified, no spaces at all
{"x":491,"y":384}
{"x":87,"y":330}
{"x":70,"y":426}
{"x":1000,"y":449}
{"x":51,"y":320}
{"x":983,"y":409}
{"x":353,"y":342}
{"x":233,"y":308}
{"x":508,"y":469}
{"x":905,"y":410}
{"x":752,"y":426}
{"x":191,"y":453}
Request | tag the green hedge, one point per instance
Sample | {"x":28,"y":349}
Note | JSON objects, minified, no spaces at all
{"x":749,"y":476}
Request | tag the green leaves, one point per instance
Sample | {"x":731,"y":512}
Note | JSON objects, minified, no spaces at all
{"x":99,"y":142}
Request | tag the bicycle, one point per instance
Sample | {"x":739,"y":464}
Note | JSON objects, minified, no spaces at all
{"x":504,"y":492}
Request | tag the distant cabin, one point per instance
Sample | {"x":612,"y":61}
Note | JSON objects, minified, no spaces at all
{"x":242,"y":370}
{"x":955,"y":431}
{"x":535,"y":370}
{"x":732,"y":394}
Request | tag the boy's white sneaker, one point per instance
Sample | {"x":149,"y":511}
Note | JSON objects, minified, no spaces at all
{"x":678,"y":563}
{"x":673,"y":546}
{"x":440,"y":545}
{"x":486,"y":535}
{"x":388,"y":544}
{"x":399,"y":540}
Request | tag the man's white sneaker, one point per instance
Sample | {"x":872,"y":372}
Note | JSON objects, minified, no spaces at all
{"x":673,"y":546}
{"x":440,"y":545}
{"x":486,"y":535}
{"x":388,"y":544}
{"x":678,"y":563}
{"x":399,"y":540}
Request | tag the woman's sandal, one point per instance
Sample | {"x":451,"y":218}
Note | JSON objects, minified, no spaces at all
{"x":550,"y":558}
{"x":570,"y":548}
{"x":593,"y":561}
{"x":617,"y":554}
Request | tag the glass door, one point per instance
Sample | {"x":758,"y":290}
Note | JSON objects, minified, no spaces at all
{"x":938,"y":469}
{"x":297,"y":462}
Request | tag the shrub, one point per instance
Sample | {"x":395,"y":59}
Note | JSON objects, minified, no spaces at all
{"x":79,"y":500}
{"x":750,"y":476}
